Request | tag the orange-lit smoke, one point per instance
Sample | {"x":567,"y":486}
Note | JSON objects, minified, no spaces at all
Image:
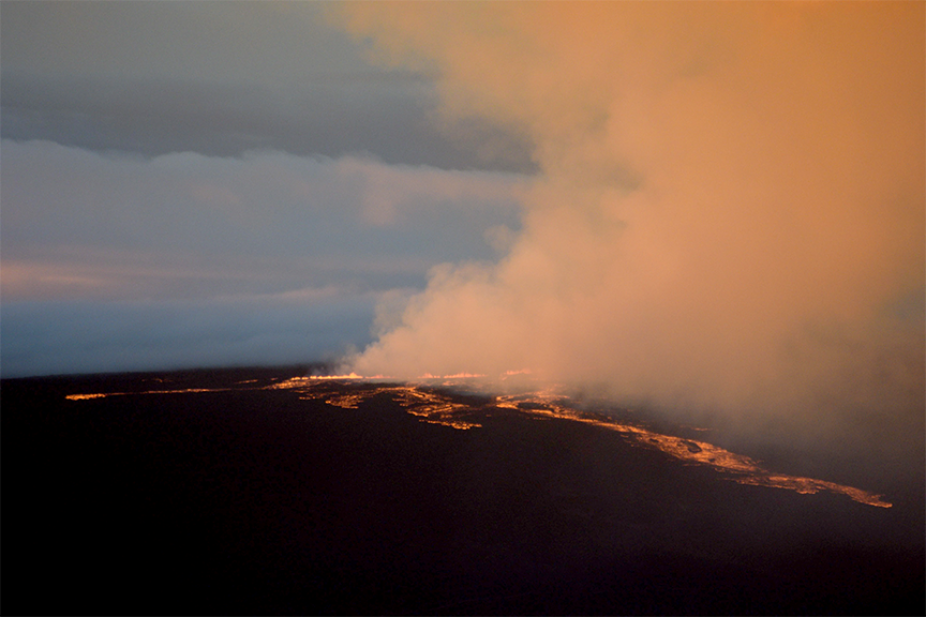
{"x":730,"y":209}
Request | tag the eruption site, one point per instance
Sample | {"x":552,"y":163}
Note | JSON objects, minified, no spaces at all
{"x":728,"y":216}
{"x":436,"y":400}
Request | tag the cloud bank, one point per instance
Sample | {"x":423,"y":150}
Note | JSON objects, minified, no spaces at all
{"x":78,"y":224}
{"x":218,"y":79}
{"x":117,"y":262}
{"x":86,"y":336}
{"x":729,"y":216}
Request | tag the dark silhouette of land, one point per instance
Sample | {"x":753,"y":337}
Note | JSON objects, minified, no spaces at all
{"x":243,"y":500}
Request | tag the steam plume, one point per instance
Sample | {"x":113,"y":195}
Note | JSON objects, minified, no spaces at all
{"x":730,"y":209}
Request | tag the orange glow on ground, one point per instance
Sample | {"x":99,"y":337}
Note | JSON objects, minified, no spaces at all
{"x":351,"y":375}
{"x":83,"y":397}
{"x":440,"y":408}
{"x":453,"y":376}
{"x":744,"y":470}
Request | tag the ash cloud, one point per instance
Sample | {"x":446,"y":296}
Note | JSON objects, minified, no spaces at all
{"x":729,"y":216}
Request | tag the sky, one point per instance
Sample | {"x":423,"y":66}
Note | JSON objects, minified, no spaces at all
{"x":211,"y":184}
{"x":703,"y":206}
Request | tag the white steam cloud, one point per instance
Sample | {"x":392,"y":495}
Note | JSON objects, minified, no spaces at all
{"x":730,"y":209}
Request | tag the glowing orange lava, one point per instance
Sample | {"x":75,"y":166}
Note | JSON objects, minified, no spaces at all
{"x":83,"y":397}
{"x":743,"y":469}
{"x":436,"y":407}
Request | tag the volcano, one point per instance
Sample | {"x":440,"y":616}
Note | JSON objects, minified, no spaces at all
{"x":267,"y":491}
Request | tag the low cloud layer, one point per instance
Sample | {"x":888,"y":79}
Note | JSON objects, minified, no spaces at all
{"x":730,"y":214}
{"x":181,"y":167}
{"x":113,"y":262}
{"x":220,"y":79}
{"x":81,"y":336}
{"x":78,"y":224}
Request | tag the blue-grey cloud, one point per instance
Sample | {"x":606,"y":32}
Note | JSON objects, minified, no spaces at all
{"x":173,"y":172}
{"x":389,"y":119}
{"x":81,"y":224}
{"x":65,"y":337}
{"x":112,"y":262}
{"x":221,"y":80}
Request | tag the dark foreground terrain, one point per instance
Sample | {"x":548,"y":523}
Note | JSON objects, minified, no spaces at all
{"x":245,"y":500}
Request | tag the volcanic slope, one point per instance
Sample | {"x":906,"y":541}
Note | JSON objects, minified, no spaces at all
{"x":264,"y":491}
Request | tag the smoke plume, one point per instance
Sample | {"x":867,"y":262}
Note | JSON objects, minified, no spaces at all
{"x":729,"y":213}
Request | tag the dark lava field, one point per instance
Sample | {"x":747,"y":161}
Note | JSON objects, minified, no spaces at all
{"x":212,"y":492}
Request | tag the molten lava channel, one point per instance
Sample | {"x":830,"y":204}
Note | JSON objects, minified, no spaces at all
{"x":436,"y":407}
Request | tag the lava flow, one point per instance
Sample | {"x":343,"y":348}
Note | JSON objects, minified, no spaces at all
{"x":435,"y":406}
